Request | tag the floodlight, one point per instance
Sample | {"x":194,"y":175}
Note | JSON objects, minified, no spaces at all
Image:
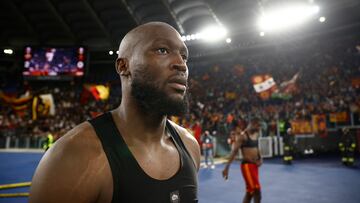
{"x":197,"y":36}
{"x":213,"y":33}
{"x":8,"y":51}
{"x":286,"y":17}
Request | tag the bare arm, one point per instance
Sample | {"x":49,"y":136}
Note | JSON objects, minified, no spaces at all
{"x":70,"y":170}
{"x":233,"y":154}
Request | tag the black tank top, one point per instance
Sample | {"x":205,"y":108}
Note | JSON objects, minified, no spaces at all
{"x":131,"y":183}
{"x":249,"y":142}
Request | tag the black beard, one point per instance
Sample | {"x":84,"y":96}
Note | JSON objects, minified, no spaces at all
{"x":153,"y":101}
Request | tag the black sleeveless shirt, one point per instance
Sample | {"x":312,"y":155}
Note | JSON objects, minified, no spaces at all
{"x":131,"y":184}
{"x":250,"y":143}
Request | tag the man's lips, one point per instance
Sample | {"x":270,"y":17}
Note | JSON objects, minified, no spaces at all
{"x":178,"y":83}
{"x":178,"y":86}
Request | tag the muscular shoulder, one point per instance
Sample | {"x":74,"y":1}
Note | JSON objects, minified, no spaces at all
{"x":79,"y":143}
{"x":190,"y":142}
{"x":82,"y":134}
{"x":70,"y":171}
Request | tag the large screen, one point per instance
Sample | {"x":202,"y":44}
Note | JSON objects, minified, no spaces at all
{"x":53,"y":62}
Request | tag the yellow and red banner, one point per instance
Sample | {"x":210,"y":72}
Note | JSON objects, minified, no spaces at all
{"x":99,"y":92}
{"x":18,"y":104}
{"x":339,"y":117}
{"x":319,"y":124}
{"x":301,"y":127}
{"x":42,"y":106}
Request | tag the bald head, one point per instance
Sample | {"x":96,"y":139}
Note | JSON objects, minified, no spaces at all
{"x":152,"y":67}
{"x":134,"y":36}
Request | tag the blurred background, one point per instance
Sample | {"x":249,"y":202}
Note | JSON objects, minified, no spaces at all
{"x":278,"y":60}
{"x":290,"y":63}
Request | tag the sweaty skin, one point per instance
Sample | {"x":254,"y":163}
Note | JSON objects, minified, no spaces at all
{"x":76,"y":168}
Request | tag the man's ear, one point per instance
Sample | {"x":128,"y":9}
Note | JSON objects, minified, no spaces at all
{"x":122,"y":67}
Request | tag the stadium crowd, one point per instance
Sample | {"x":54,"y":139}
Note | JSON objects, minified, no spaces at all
{"x":222,"y":95}
{"x":327,"y":83}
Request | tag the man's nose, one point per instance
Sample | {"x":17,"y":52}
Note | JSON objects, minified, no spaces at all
{"x":180,"y":63}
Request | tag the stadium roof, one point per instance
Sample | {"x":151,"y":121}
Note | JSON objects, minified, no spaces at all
{"x":101,"y":24}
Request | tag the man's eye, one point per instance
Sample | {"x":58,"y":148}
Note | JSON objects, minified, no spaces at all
{"x":162,"y":51}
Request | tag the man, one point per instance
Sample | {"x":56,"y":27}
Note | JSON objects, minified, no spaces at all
{"x":48,"y":141}
{"x":207,"y":146}
{"x":288,"y":139}
{"x":133,"y":153}
{"x":347,"y":146}
{"x":247,"y":142}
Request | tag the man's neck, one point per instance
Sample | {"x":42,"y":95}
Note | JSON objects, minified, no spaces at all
{"x":134,"y":124}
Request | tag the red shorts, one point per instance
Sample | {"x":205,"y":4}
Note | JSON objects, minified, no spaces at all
{"x":250,"y":172}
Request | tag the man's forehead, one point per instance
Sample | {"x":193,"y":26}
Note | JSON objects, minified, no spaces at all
{"x":156,"y":30}
{"x":152,"y":34}
{"x":171,"y":41}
